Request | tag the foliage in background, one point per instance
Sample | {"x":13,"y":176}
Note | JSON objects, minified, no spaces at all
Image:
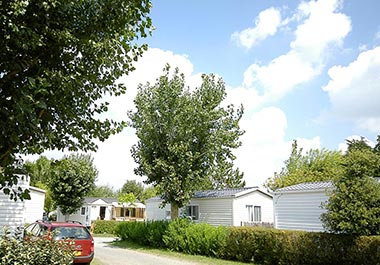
{"x":51,"y":85}
{"x":36,"y":252}
{"x":134,"y":187}
{"x":102,"y":191}
{"x":72,"y":179}
{"x":185,"y":138}
{"x":354,"y":205}
{"x":315,"y":165}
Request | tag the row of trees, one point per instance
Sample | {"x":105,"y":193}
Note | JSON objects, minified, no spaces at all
{"x":354,"y":203}
{"x":69,"y":180}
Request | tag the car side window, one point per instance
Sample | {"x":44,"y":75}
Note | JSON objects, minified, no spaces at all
{"x":28,"y":229}
{"x":36,"y":230}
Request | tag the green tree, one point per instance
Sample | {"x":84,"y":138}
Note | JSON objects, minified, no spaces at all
{"x":315,"y":165}
{"x":103,"y":191}
{"x":134,"y":187}
{"x":361,"y":144}
{"x":354,"y":204}
{"x":39,"y":171}
{"x":185,"y":138}
{"x":149,"y":192}
{"x":73,"y":178}
{"x":58,"y":59}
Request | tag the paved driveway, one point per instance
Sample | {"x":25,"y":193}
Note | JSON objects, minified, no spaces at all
{"x":110,"y":255}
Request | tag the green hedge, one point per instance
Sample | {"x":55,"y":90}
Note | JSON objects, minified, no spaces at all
{"x":104,"y":227}
{"x":196,"y":239}
{"x":146,"y":233}
{"x":254,"y":244}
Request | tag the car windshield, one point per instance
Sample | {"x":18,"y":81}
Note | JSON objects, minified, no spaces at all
{"x":74,"y":232}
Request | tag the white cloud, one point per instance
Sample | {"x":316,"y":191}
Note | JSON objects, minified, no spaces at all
{"x":266,"y":24}
{"x":321,"y":28}
{"x":264,"y":147}
{"x":354,"y":90}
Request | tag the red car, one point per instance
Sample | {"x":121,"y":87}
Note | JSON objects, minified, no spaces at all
{"x":84,"y":243}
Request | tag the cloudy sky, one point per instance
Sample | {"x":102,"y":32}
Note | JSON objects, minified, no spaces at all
{"x":305,"y":70}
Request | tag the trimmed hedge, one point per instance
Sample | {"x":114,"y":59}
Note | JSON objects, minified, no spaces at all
{"x":104,"y":227}
{"x":254,"y":244}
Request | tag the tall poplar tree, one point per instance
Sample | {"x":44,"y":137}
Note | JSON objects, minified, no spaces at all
{"x":185,"y":137}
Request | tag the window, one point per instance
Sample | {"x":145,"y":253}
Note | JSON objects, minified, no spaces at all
{"x":257,"y":213}
{"x":167,"y":215}
{"x":254,"y":213}
{"x":192,"y":211}
{"x":83,"y":211}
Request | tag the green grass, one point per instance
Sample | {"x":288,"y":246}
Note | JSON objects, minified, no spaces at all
{"x":178,"y":255}
{"x":96,"y":262}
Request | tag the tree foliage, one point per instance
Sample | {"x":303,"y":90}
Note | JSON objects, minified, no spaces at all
{"x":315,"y":165}
{"x":134,"y":187}
{"x":354,"y":204}
{"x":58,"y":59}
{"x":102,"y":191}
{"x":73,"y":178}
{"x":39,"y":171}
{"x":185,"y":138}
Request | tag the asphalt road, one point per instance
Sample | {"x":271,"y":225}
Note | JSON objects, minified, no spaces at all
{"x":110,"y":255}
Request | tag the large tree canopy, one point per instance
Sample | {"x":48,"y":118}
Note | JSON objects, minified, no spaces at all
{"x":185,"y":138}
{"x":314,"y":165}
{"x":58,"y":59}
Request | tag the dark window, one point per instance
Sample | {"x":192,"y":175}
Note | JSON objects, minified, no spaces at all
{"x":193,"y":212}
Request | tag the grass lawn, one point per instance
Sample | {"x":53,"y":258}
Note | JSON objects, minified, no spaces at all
{"x":168,"y":253}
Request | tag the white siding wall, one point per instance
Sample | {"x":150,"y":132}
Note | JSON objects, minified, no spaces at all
{"x":153,"y":210}
{"x":254,"y":199}
{"x":299,"y":210}
{"x":34,"y":208}
{"x":11,"y":212}
{"x":214,"y":211}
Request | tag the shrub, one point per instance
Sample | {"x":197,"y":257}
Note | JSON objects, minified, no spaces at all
{"x":196,"y":239}
{"x":148,"y":233}
{"x":40,"y":251}
{"x":105,"y":226}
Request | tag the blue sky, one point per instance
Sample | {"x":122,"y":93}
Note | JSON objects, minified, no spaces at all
{"x":305,"y":70}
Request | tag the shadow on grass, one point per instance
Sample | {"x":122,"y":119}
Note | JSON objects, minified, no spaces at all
{"x":169,"y":253}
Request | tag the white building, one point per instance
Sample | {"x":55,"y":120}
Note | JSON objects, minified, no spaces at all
{"x":230,"y":207}
{"x":95,"y":208}
{"x":18,"y":213}
{"x":298,"y":207}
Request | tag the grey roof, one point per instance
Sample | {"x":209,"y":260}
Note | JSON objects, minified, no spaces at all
{"x":220,"y":193}
{"x":306,"y":186}
{"x":223,"y":193}
{"x":94,"y":199}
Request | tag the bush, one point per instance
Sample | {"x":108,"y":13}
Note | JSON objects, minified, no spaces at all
{"x":105,"y":226}
{"x":148,"y":233}
{"x":40,"y":251}
{"x":197,"y":239}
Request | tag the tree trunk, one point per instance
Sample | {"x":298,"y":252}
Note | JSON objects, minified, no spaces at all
{"x":174,"y":211}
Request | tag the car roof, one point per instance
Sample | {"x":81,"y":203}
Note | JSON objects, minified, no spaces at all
{"x":60,"y":224}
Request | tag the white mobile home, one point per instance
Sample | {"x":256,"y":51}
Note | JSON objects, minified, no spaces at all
{"x":298,"y":207}
{"x":16,"y":213}
{"x":230,"y":207}
{"x":94,"y":208}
